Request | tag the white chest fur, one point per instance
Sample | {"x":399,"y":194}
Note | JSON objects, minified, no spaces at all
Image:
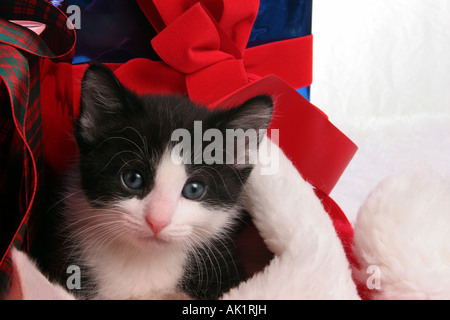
{"x":130,"y":274}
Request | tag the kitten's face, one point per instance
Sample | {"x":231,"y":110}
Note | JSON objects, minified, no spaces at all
{"x":165,"y":215}
{"x":129,"y":177}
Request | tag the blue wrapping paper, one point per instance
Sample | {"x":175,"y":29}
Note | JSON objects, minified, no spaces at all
{"x":281,"y":20}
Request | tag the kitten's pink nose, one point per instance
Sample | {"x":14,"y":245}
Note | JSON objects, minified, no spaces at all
{"x":156,"y":224}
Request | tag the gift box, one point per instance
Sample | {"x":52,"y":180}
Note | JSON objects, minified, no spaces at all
{"x":243,"y":54}
{"x":276,"y":21}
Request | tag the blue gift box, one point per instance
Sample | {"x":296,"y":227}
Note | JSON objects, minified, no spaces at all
{"x":117,"y":31}
{"x":281,"y":20}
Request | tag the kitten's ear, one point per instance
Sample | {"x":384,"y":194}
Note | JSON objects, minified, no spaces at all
{"x":247,"y":123}
{"x":28,"y":283}
{"x":102,"y":96}
{"x":255,"y":113}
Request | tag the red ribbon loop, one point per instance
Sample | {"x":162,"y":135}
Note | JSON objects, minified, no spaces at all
{"x":194,"y":41}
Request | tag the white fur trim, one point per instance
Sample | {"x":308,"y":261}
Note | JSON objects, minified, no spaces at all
{"x":28,"y":283}
{"x":309,"y":261}
{"x":404,"y":230}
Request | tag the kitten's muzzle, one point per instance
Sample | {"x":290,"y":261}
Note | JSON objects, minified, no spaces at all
{"x":156,"y":225}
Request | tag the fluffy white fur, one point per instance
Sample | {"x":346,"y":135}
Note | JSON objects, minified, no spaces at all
{"x":28,"y":283}
{"x":403,"y":229}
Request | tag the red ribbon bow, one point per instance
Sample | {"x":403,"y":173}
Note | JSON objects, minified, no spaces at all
{"x":206,"y":42}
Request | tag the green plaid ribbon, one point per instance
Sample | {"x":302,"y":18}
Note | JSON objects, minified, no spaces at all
{"x":20,"y":53}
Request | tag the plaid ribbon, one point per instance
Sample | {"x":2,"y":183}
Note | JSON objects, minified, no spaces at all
{"x":20,"y":53}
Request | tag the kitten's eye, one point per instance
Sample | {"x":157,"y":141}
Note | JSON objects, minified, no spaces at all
{"x":133,"y":179}
{"x":193,"y":190}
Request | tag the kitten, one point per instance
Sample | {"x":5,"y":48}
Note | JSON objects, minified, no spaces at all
{"x":139,"y":224}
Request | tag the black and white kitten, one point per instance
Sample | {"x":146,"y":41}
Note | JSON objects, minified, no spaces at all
{"x":138,"y":224}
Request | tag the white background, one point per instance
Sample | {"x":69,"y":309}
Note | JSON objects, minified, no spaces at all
{"x":382,"y":74}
